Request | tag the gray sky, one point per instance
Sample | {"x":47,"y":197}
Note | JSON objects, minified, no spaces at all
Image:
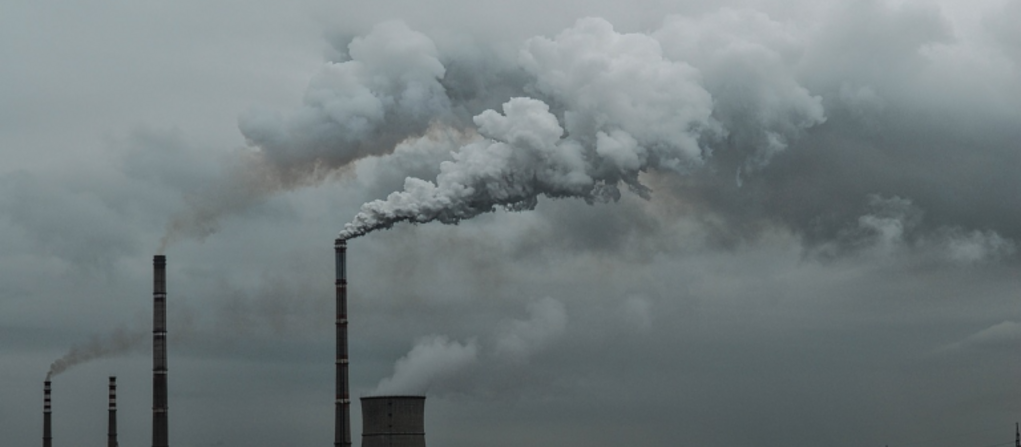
{"x":766,"y":223}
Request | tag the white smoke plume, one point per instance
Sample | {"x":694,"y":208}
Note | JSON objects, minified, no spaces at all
{"x":436,"y":361}
{"x":433,"y":358}
{"x":583,"y":114}
{"x":387,"y":91}
{"x":118,"y":342}
{"x":613,"y":106}
{"x":744,"y":57}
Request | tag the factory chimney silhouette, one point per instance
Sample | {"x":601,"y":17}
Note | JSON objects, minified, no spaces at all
{"x":159,"y":352}
{"x":47,"y":430}
{"x":111,"y":431}
{"x":342,"y":421}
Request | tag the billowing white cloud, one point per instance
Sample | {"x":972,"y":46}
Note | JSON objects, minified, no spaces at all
{"x":438,"y":364}
{"x":389,"y":90}
{"x":748,"y":63}
{"x":620,"y":108}
{"x":433,"y":359}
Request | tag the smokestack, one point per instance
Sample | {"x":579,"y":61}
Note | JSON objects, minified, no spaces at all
{"x":393,"y":421}
{"x":111,"y":431}
{"x":342,"y":424}
{"x":47,"y":433}
{"x":159,"y":352}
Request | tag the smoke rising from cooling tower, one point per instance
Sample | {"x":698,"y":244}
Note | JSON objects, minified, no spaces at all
{"x":438,"y":364}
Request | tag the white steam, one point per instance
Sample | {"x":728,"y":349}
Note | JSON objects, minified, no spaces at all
{"x":609,"y":106}
{"x":433,"y":358}
{"x":583,"y":114}
{"x":746,"y":59}
{"x":438,"y":363}
{"x":388,"y":91}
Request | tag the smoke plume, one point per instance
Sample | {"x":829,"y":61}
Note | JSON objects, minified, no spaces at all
{"x":432,"y":359}
{"x":611,"y":106}
{"x":386,"y":91}
{"x":750,"y":120}
{"x":120,"y":341}
{"x":579,"y":115}
{"x":437,"y":363}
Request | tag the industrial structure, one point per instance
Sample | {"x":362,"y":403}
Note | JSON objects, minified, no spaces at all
{"x":47,"y":429}
{"x":111,"y":430}
{"x":388,"y":421}
{"x":393,"y":421}
{"x":159,"y":352}
{"x":342,"y":421}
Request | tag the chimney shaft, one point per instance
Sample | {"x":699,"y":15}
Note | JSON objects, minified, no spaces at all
{"x":159,"y":352}
{"x":47,"y":430}
{"x":342,"y":423}
{"x":111,"y":432}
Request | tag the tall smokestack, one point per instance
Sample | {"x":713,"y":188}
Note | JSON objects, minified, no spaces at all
{"x":342,"y":424}
{"x":389,"y":421}
{"x":111,"y":431}
{"x":47,"y":432}
{"x":159,"y":352}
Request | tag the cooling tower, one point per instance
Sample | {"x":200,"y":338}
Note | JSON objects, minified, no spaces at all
{"x":159,"y":352}
{"x":342,"y":423}
{"x":393,"y":421}
{"x":111,"y":431}
{"x":47,"y":430}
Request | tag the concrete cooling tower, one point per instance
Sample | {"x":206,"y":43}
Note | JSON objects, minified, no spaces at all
{"x":393,"y":421}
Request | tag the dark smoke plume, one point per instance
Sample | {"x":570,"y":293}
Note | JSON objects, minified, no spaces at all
{"x":120,"y":341}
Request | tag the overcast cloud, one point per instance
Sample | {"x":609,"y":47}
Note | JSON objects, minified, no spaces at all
{"x":677,"y":223}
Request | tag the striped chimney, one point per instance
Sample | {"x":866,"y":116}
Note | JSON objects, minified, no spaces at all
{"x":47,"y":429}
{"x":111,"y":431}
{"x":342,"y":421}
